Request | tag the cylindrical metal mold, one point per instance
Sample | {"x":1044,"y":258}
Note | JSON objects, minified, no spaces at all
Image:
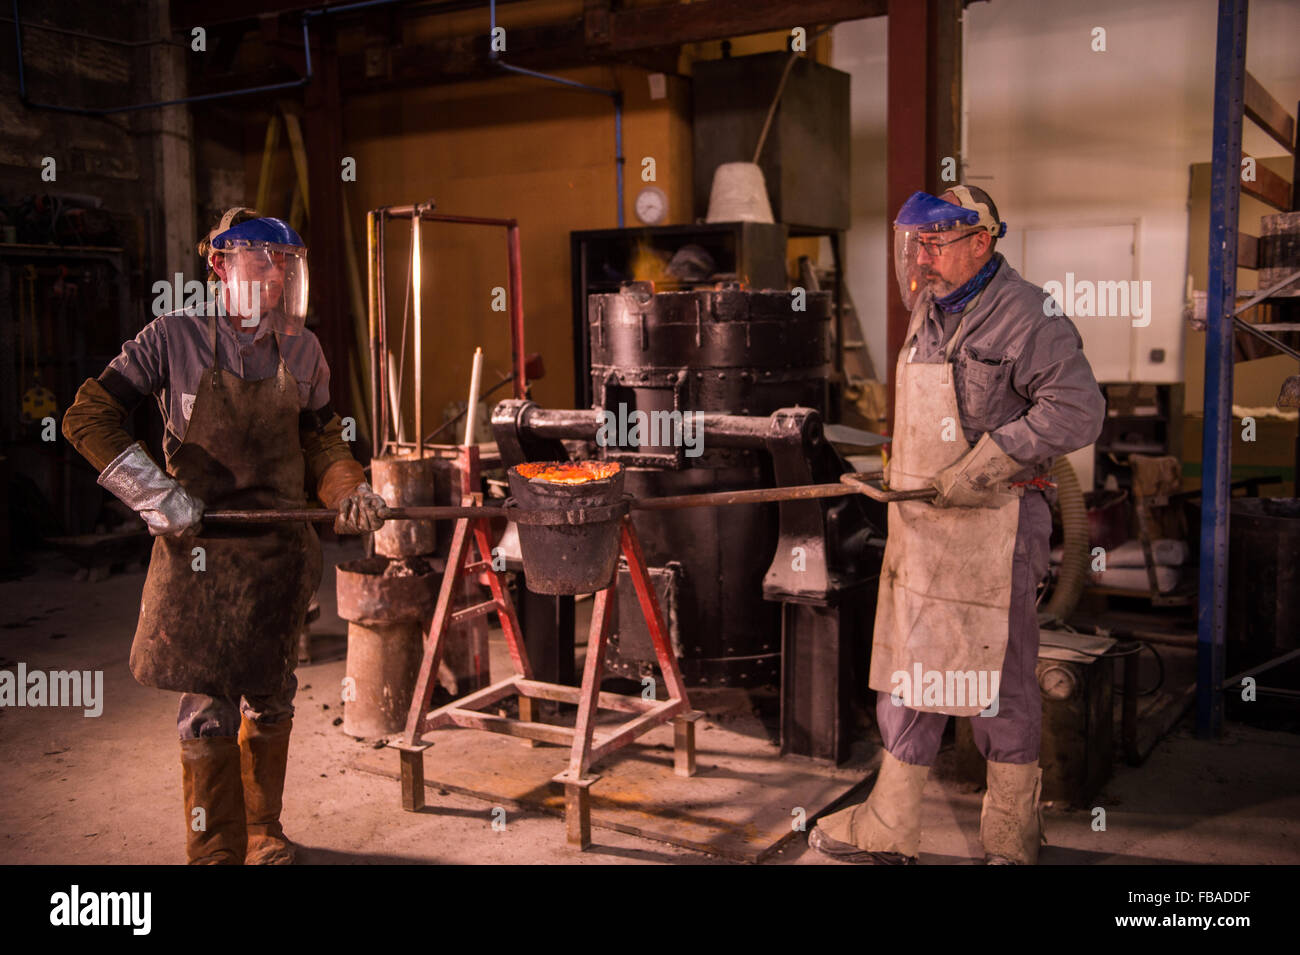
{"x":577,"y":558}
{"x":728,"y":350}
{"x":725,"y":349}
{"x":405,"y":481}
{"x":730,"y":635}
{"x":386,"y":620}
{"x":383,"y":662}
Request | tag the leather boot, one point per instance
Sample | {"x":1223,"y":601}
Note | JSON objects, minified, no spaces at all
{"x":264,"y":752}
{"x":886,"y":829}
{"x":1011,"y":822}
{"x":210,"y":782}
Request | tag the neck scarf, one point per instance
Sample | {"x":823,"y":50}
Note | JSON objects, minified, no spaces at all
{"x":956,"y":300}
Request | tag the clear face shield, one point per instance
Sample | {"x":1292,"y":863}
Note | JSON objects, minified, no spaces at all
{"x":915,"y":249}
{"x":906,"y":268}
{"x":924,"y":226}
{"x":266,"y":283}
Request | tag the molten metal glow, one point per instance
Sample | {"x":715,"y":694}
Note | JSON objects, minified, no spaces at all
{"x":566,"y":472}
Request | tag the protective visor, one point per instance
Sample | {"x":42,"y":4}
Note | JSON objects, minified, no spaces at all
{"x":266,"y":281}
{"x":921,"y":226}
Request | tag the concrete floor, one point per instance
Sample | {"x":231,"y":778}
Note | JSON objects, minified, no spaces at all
{"x":77,"y":790}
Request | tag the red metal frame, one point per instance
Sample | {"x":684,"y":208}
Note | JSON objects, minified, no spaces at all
{"x":376,"y":220}
{"x":587,"y":747}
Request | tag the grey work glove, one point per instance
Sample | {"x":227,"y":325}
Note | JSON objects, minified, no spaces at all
{"x":978,"y":479}
{"x":359,"y":511}
{"x":156,"y":496}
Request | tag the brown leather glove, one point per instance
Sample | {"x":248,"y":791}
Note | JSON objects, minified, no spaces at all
{"x":978,"y":479}
{"x":343,"y":487}
{"x":93,"y":425}
{"x":359,"y":511}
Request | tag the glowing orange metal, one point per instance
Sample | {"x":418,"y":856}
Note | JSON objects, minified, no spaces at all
{"x":564,"y":472}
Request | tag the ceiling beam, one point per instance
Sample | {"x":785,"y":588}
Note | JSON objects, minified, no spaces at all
{"x":672,"y":23}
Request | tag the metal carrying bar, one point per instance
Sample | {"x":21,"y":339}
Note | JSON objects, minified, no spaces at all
{"x":861,"y":483}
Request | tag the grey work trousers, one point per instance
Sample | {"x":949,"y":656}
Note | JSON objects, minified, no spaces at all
{"x":219,"y":716}
{"x":1013,"y":736}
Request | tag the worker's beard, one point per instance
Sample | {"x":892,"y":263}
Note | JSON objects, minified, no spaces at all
{"x":936,"y":283}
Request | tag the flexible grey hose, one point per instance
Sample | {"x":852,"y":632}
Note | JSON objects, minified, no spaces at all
{"x":1074,"y":560}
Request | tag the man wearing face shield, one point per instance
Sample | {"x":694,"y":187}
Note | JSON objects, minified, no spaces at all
{"x":243,"y":388}
{"x":991,"y":388}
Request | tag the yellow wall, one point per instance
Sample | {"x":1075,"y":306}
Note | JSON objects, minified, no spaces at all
{"x":507,"y":147}
{"x":511,"y":147}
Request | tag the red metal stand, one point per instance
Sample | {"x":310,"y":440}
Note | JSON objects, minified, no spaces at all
{"x":587,"y":746}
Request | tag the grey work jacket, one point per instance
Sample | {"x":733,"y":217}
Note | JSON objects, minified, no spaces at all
{"x":171,"y":353}
{"x":1020,"y":374}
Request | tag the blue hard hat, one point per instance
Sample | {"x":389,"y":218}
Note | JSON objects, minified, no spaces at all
{"x":268,"y":230}
{"x":923,"y":210}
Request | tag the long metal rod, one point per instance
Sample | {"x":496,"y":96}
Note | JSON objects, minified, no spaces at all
{"x":1258,"y":331}
{"x":377,"y":366}
{"x":1234,"y":682}
{"x":1271,"y":290}
{"x":770,"y":495}
{"x":514,"y":274}
{"x":1216,"y":457}
{"x":419,"y":352}
{"x":380,"y":370}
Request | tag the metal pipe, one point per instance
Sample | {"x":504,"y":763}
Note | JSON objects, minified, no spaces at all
{"x":765,"y":495}
{"x":419,"y":352}
{"x":803,"y":492}
{"x":1235,"y":681}
{"x":471,"y":406}
{"x":381,"y":370}
{"x":376,"y":356}
{"x":1258,"y":331}
{"x":615,"y":95}
{"x":515,"y":277}
{"x":319,"y":515}
{"x":1216,"y":450}
{"x":108,"y":111}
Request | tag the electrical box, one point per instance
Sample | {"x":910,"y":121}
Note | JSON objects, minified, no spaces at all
{"x":1077,"y":688}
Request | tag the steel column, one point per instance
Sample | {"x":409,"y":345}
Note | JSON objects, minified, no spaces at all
{"x":1216,"y":457}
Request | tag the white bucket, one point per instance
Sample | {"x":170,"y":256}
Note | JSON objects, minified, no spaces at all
{"x":739,"y":194}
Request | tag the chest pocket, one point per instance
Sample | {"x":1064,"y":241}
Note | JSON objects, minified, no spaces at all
{"x":987,"y":402}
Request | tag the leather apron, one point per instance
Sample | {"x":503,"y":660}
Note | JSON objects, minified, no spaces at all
{"x":945,"y":583}
{"x":231,"y":629}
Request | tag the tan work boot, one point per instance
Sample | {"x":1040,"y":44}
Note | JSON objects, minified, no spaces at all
{"x":210,"y":782}
{"x":264,"y":751}
{"x":884,"y":830}
{"x":1011,"y":822}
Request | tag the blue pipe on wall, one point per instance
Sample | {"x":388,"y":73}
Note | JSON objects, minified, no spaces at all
{"x":615,"y":95}
{"x":106,"y":111}
{"x":307,"y":15}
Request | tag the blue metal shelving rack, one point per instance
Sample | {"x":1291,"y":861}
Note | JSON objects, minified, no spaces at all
{"x":1222,"y":323}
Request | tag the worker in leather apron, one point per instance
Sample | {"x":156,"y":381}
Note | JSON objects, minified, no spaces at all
{"x":244,"y":392}
{"x":991,"y":387}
